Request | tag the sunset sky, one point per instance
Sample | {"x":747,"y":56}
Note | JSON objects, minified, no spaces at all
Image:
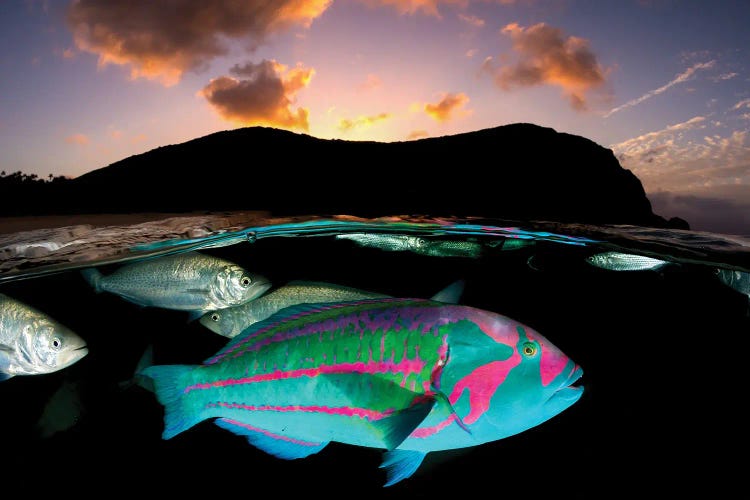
{"x":664,"y":83}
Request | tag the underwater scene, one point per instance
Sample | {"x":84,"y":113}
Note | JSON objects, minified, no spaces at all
{"x":398,"y":357}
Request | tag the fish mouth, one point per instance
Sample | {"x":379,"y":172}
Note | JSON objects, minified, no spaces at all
{"x":571,"y":389}
{"x":74,"y":355}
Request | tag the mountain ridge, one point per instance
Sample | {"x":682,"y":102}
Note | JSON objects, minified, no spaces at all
{"x":520,"y":171}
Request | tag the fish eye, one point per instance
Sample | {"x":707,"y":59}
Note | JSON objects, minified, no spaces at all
{"x":245,"y":281}
{"x":56,"y":343}
{"x":529,"y":349}
{"x":215,"y":317}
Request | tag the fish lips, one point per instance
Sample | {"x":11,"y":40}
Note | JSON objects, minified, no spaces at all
{"x":70,"y":356}
{"x":568,"y":392}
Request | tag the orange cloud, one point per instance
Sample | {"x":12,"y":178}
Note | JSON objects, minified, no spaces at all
{"x":263,"y":96}
{"x":163,"y":40}
{"x":79,"y":139}
{"x":446,"y":107}
{"x":417,"y":134}
{"x":547,"y":57}
{"x":346,"y":125}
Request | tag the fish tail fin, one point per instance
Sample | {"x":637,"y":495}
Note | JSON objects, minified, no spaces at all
{"x":93,"y":277}
{"x":169,"y":388}
{"x":401,"y":464}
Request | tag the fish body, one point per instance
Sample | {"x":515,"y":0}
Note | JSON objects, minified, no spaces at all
{"x":32,"y":343}
{"x":231,"y":321}
{"x":410,"y":376}
{"x":189,"y":281}
{"x":417,"y":244}
{"x":617,"y":261}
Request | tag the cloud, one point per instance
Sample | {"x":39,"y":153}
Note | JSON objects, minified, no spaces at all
{"x":548,"y":57}
{"x":345,"y":125}
{"x":690,"y":158}
{"x":475,"y":21}
{"x":263,"y":95}
{"x":724,"y":76}
{"x":745,"y":103}
{"x":80,"y":139}
{"x":163,"y":40}
{"x":682,"y":77}
{"x":417,"y":134}
{"x":447,"y":107}
{"x":428,"y":7}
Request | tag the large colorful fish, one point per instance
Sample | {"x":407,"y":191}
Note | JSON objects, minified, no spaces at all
{"x":410,"y":376}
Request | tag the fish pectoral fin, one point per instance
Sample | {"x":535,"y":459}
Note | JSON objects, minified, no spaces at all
{"x":280,"y":446}
{"x":398,"y":426}
{"x":444,"y":399}
{"x":400,"y":464}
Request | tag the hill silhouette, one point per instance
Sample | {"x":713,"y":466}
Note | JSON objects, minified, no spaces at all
{"x":519,"y":172}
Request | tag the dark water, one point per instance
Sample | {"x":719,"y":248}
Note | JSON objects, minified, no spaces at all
{"x":663,"y":354}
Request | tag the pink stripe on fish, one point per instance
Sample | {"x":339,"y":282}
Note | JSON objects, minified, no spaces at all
{"x":404,"y":367}
{"x":482,"y":384}
{"x":553,"y":361}
{"x":347,"y":411}
{"x":271,"y":434}
{"x":423,"y":432}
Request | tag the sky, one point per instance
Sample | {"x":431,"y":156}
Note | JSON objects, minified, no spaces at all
{"x":665,"y":84}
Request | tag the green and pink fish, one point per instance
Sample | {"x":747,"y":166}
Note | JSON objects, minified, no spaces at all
{"x":410,"y":376}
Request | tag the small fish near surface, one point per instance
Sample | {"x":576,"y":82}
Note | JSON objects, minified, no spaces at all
{"x":32,"y":343}
{"x":190,"y":281}
{"x":428,"y":246}
{"x":618,"y":261}
{"x":410,"y":376}
{"x":231,"y":321}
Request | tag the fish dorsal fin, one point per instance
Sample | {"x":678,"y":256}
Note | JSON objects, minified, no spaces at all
{"x":280,"y":446}
{"x":400,"y":464}
{"x":451,"y":294}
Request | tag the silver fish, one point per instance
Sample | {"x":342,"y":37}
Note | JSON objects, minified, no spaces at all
{"x":232,"y":320}
{"x":32,"y":343}
{"x":190,"y":281}
{"x":738,"y":280}
{"x":424,"y":246}
{"x":617,"y":261}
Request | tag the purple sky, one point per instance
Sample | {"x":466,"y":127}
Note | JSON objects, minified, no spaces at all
{"x":664,"y":83}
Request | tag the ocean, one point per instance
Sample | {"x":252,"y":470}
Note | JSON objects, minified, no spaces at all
{"x":662,"y":351}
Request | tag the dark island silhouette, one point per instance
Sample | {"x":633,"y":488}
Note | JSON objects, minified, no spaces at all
{"x":515,"y":172}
